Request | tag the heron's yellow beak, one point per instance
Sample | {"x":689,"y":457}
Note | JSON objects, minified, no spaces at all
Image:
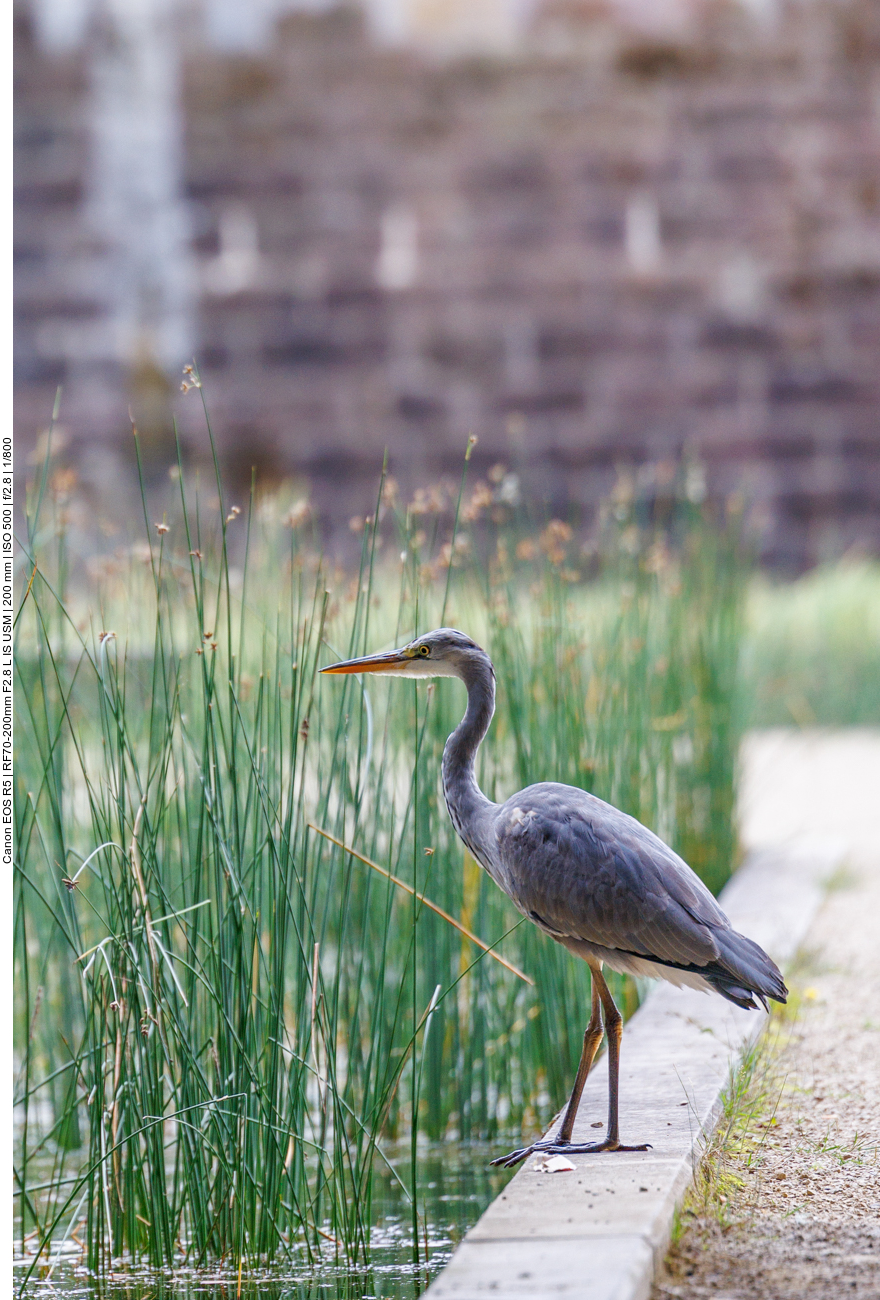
{"x":391,"y":661}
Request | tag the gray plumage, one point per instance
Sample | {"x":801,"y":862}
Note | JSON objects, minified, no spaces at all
{"x":603,"y":885}
{"x":591,"y":877}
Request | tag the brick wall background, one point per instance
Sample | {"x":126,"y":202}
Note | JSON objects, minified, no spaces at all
{"x":604,"y":250}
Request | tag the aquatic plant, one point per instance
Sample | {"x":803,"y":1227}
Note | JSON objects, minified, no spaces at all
{"x":222,"y":1009}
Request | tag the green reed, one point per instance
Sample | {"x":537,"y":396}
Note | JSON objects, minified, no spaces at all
{"x":220,"y":1013}
{"x":812,"y":647}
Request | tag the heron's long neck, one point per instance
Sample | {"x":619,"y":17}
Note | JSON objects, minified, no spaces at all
{"x":469,"y":808}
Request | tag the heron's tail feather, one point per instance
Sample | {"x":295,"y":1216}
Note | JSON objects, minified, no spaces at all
{"x":744,"y":972}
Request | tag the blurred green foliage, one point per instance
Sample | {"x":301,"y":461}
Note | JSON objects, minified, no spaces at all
{"x":811,"y":654}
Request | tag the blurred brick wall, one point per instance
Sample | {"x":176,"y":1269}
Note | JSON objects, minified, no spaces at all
{"x":51,"y":149}
{"x":607,"y":252}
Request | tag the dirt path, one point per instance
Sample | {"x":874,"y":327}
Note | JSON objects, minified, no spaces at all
{"x":795,"y":1214}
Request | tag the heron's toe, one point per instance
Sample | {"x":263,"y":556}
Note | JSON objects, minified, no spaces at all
{"x":593,"y":1148}
{"x":514,"y":1158}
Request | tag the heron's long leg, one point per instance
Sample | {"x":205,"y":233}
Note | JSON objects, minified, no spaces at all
{"x":592,"y":1039}
{"x":562,"y":1144}
{"x":614,"y":1030}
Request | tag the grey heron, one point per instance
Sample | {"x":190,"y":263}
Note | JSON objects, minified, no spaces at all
{"x":590,"y":876}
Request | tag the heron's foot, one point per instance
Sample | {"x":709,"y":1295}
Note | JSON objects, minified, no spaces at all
{"x":514,"y":1158}
{"x":564,"y":1149}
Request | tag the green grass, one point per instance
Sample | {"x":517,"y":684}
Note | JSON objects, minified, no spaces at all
{"x":221,"y":1015}
{"x":750,"y":1101}
{"x":812,"y":653}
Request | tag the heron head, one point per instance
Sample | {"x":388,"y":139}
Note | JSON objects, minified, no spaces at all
{"x":442,"y":653}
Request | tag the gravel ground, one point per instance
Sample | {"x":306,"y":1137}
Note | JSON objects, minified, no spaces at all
{"x":795,"y":1212}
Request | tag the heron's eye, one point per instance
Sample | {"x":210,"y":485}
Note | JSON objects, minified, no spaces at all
{"x":424,"y":651}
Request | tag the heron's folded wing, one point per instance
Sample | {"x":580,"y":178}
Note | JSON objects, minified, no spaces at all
{"x":585,"y":870}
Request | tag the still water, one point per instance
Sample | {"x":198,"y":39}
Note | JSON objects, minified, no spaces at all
{"x":455,"y":1186}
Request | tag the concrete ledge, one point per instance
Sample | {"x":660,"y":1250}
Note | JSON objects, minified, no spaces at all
{"x":599,"y":1232}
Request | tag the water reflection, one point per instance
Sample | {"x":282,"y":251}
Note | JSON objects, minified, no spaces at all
{"x":455,"y":1185}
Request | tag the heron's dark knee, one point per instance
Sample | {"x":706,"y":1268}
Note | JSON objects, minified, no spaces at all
{"x":613,"y":1021}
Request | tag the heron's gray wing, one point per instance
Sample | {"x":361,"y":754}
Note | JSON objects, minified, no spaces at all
{"x":582,"y":869}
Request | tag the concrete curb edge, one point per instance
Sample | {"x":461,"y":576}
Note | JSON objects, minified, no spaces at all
{"x":598,"y":1233}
